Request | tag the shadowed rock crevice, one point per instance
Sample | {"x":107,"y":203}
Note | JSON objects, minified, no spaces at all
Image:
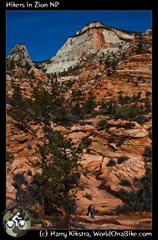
{"x":103,"y":186}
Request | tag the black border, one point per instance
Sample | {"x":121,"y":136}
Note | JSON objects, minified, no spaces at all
{"x":3,"y":116}
{"x":75,"y":5}
{"x":83,"y":5}
{"x":154,"y":120}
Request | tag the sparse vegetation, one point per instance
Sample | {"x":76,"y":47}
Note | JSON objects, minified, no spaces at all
{"x":120,"y":141}
{"x":102,"y":124}
{"x":147,"y":154}
{"x":86,"y":142}
{"x":141,"y":200}
{"x":125,"y":182}
{"x":111,"y":163}
{"x":9,"y":157}
{"x":19,"y":179}
{"x":88,"y":196}
{"x":121,"y":159}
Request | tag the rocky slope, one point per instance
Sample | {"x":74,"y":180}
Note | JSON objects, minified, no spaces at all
{"x":19,"y":55}
{"x":131,"y":75}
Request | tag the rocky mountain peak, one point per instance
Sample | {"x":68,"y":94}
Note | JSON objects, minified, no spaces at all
{"x":90,"y":26}
{"x":19,"y":55}
{"x":93,"y":39}
{"x":148,"y":32}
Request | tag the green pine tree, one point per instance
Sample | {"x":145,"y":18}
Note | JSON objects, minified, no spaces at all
{"x":66,"y":159}
{"x":144,"y":194}
{"x":59,"y":164}
{"x":89,"y":104}
{"x":19,"y":107}
{"x":46,"y":105}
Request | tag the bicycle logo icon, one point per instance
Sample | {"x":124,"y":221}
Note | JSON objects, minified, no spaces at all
{"x":16,"y":221}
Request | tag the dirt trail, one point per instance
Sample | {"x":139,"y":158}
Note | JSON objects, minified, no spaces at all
{"x":112,"y":222}
{"x":97,"y":195}
{"x":104,"y":203}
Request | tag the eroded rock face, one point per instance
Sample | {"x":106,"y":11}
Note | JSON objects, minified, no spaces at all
{"x":37,"y":74}
{"x":94,"y":38}
{"x":95,"y":157}
{"x":19,"y":54}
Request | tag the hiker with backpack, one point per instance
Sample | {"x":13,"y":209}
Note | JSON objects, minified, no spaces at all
{"x":91,"y":211}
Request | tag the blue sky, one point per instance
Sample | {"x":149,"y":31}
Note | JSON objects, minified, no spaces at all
{"x":45,"y":32}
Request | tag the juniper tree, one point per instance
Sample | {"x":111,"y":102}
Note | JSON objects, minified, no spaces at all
{"x":139,"y":45}
{"x":59,"y":177}
{"x":77,"y":99}
{"x":57,"y":157}
{"x":65,"y":173}
{"x":144,"y":194}
{"x":42,"y":114}
{"x":19,"y":107}
{"x":61,"y":107}
{"x":57,"y":94}
{"x":89,"y":104}
{"x":46,"y":103}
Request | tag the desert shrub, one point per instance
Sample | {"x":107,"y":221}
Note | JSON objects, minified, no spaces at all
{"x":19,"y":179}
{"x":124,"y":100}
{"x":86,"y":142}
{"x":81,"y":187}
{"x":111,"y":138}
{"x":139,"y":78}
{"x":111,"y":163}
{"x":88,"y":196}
{"x":29,"y":172}
{"x":102,"y":123}
{"x":136,"y":182}
{"x":125,"y":195}
{"x":29,"y":146}
{"x":147,"y":151}
{"x":141,"y":119}
{"x":90,"y":103}
{"x":140,"y":200}
{"x":129,"y":113}
{"x":122,"y":209}
{"x":33,"y":189}
{"x":150,"y":135}
{"x":110,"y":106}
{"x":147,"y":154}
{"x":147,"y":94}
{"x":121,"y":159}
{"x":144,"y":194}
{"x":70,"y":83}
{"x":9,"y":157}
{"x":37,"y":179}
{"x":63,"y":117}
{"x":129,"y":125}
{"x":147,"y":105}
{"x":147,"y":159}
{"x":125,"y":182}
{"x":120,"y":141}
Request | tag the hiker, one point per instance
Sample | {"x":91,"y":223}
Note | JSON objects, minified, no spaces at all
{"x":91,"y":211}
